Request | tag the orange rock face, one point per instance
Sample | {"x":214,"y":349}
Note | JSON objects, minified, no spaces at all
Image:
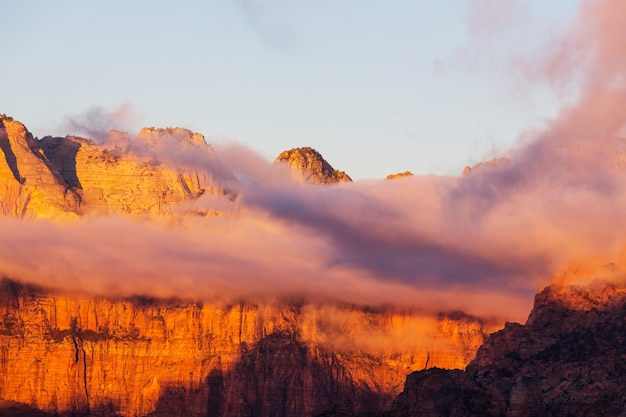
{"x":121,"y":177}
{"x":306,"y":165}
{"x":65,"y":177}
{"x":78,"y":354}
{"x":399,"y":175}
{"x":30,"y":186}
{"x":70,"y":353}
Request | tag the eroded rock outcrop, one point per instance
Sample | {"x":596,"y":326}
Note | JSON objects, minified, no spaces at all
{"x":64,"y":353}
{"x":30,"y":186}
{"x":58,"y":177}
{"x":308,"y":166}
{"x":399,"y":175}
{"x":140,"y":177}
{"x":567,"y":360}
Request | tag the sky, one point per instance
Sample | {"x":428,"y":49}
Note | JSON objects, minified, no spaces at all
{"x":376,"y":87}
{"x":547,"y":85}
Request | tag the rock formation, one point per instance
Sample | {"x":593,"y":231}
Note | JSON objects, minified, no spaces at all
{"x":494,"y":163}
{"x":66,"y":353}
{"x":567,"y":360}
{"x":30,"y":186}
{"x":308,"y":166}
{"x":132,"y":178}
{"x":59,"y":177}
{"x":399,"y":175}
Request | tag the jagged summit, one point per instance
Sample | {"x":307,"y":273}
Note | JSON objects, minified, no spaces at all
{"x":494,"y":163}
{"x":308,"y":166}
{"x":30,"y":185}
{"x":399,"y":175}
{"x":567,"y":360}
{"x":157,"y":136}
{"x":57,"y":177}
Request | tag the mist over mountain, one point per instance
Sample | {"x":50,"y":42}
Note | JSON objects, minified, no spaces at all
{"x":155,"y":274}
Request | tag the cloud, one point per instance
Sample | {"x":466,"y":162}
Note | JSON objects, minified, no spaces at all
{"x":491,"y":18}
{"x":268,"y":19}
{"x":96,"y":122}
{"x":246,"y":164}
{"x":184,"y":150}
{"x":483,"y":244}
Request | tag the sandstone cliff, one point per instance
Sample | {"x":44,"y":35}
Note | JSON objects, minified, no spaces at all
{"x":308,"y":166}
{"x":30,"y":186}
{"x":136,"y":178}
{"x":567,"y":360}
{"x":59,"y":177}
{"x":66,"y":353}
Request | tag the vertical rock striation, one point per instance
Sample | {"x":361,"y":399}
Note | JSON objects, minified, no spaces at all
{"x":64,"y":353}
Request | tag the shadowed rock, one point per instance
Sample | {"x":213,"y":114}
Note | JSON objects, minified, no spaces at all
{"x":568,"y":360}
{"x":308,"y":166}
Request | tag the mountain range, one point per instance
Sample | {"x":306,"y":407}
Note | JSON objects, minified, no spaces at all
{"x":82,"y":351}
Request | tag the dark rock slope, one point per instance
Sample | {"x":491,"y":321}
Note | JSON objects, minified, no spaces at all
{"x":568,"y":360}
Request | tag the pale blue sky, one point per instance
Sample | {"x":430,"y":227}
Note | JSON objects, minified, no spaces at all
{"x":376,"y":86}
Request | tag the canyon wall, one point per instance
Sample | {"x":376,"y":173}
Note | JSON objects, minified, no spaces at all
{"x":68,"y":353}
{"x":567,"y":360}
{"x":64,"y":177}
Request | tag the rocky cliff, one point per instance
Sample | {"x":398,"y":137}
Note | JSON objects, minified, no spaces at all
{"x":399,"y":175}
{"x":67,"y":176}
{"x":67,"y":353}
{"x":567,"y":360}
{"x":308,"y":166}
{"x":30,"y":185}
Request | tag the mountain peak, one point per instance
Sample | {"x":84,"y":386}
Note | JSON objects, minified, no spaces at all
{"x":153,"y":136}
{"x":399,"y":175}
{"x":307,"y":165}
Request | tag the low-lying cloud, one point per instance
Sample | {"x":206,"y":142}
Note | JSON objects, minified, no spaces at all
{"x":96,"y":122}
{"x":483,"y":244}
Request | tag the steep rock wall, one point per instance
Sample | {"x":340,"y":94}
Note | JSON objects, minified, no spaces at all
{"x":567,"y":360}
{"x":30,"y":186}
{"x":62,"y":353}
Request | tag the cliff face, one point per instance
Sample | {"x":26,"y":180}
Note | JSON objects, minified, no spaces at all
{"x":64,"y":353}
{"x":140,"y":177}
{"x":63,"y":177}
{"x":308,"y":166}
{"x":568,"y":360}
{"x":30,"y":186}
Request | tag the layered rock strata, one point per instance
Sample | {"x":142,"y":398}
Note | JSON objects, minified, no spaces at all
{"x":70,"y":354}
{"x":59,"y":177}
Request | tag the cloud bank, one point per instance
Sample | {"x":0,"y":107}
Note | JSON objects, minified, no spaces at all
{"x":483,"y":244}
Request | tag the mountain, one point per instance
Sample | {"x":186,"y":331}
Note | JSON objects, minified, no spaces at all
{"x":30,"y":185}
{"x":67,"y":176}
{"x":69,"y":353}
{"x":567,"y":360}
{"x":66,"y":353}
{"x":308,"y":166}
{"x":399,"y":175}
